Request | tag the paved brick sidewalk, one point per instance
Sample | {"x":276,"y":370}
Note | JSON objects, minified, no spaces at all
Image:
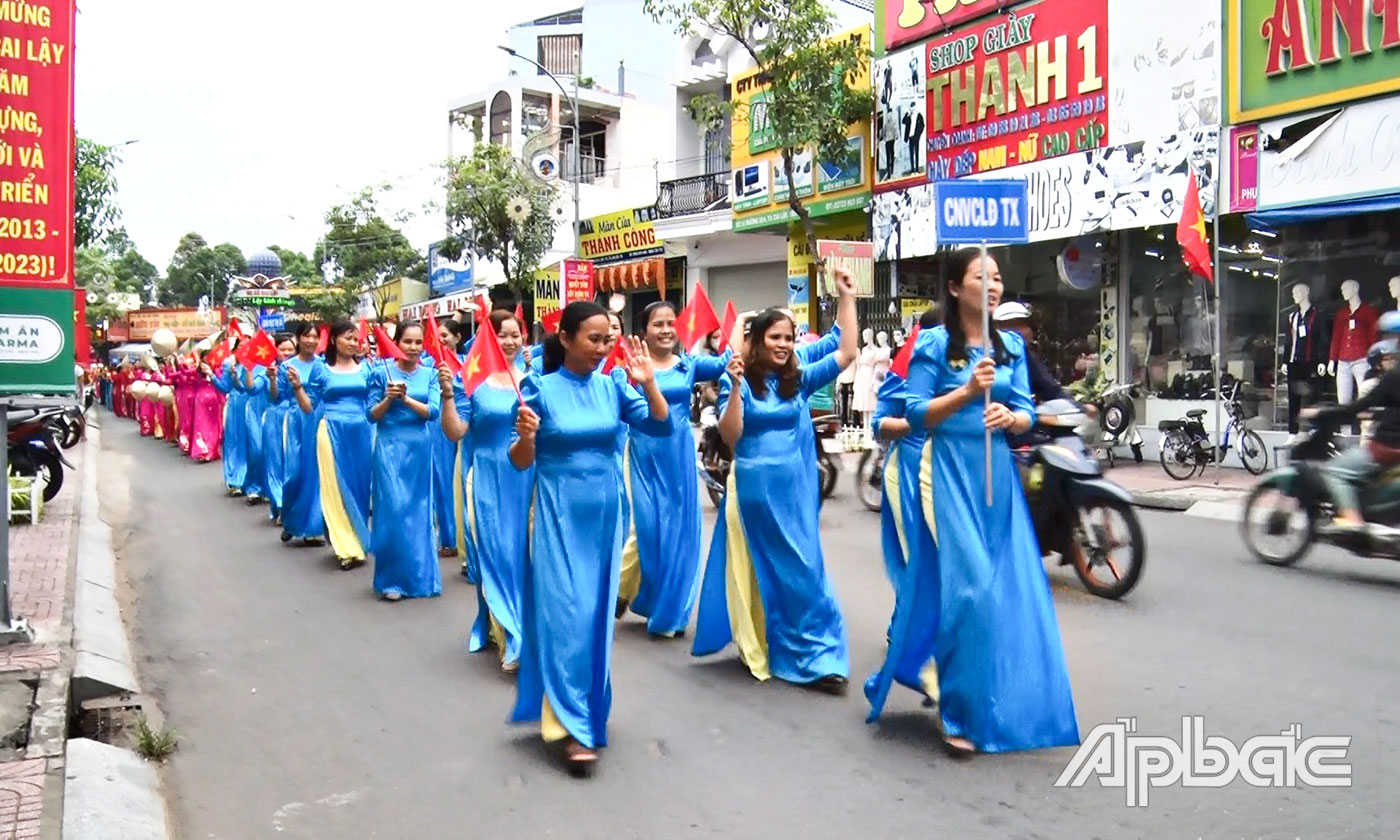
{"x":40,"y":560}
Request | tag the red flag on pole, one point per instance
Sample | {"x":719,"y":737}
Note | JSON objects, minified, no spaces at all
{"x":325,"y":340}
{"x":258,"y":350}
{"x":520,"y":315}
{"x":1191,"y":232}
{"x":697,"y":319}
{"x":218,"y":354}
{"x":551,"y":321}
{"x":484,"y":359}
{"x":731,"y":317}
{"x":363,"y":334}
{"x":441,"y":353}
{"x":900,"y":365}
{"x":621,"y":356}
{"x":386,"y":346}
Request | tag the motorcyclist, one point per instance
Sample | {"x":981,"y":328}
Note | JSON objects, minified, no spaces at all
{"x":1357,"y":465}
{"x":1016,"y":316}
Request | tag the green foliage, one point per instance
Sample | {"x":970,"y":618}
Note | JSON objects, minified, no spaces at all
{"x":114,"y":266}
{"x":197,"y":270}
{"x":154,"y":745}
{"x":95,"y":208}
{"x":365,"y":250}
{"x":481,"y":189}
{"x":330,"y":304}
{"x":811,"y":78}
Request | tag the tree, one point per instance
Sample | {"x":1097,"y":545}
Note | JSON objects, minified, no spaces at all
{"x":495,"y":208}
{"x":330,"y":304}
{"x":298,"y":266}
{"x":813,"y":96}
{"x":365,"y":250}
{"x":114,"y":266}
{"x":95,"y":208}
{"x":197,"y":270}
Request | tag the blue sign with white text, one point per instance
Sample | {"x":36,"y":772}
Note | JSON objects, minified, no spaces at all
{"x":446,"y":277}
{"x":272,"y":320}
{"x":971,"y":212}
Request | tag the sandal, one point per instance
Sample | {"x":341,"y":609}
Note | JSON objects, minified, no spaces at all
{"x":831,"y":684}
{"x":577,"y":755}
{"x":958,"y":747}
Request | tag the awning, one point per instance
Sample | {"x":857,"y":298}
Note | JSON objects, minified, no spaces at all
{"x":1272,"y":219}
{"x":631,"y":276}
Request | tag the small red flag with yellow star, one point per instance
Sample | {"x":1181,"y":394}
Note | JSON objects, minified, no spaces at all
{"x":484,"y":359}
{"x":258,"y":350}
{"x":697,"y":319}
{"x":1191,"y":232}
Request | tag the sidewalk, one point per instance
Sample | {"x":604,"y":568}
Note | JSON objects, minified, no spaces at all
{"x":1200,"y":496}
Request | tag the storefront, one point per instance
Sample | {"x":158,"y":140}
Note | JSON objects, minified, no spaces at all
{"x":1314,"y":158}
{"x":836,"y":194}
{"x":629,"y":259}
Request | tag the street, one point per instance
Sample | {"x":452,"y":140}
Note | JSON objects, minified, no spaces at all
{"x":306,"y":708}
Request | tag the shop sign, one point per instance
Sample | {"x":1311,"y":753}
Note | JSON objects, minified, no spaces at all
{"x":1285,"y":56}
{"x":759,"y":189}
{"x":986,"y":211}
{"x":899,"y":22}
{"x":447,"y":276}
{"x":1354,"y":154}
{"x":439,"y":308}
{"x":185,"y":323}
{"x":619,"y":237}
{"x":858,"y":258}
{"x":1013,"y":90}
{"x":1244,"y":169}
{"x":578,"y":281}
{"x":1136,"y":185}
{"x":910,"y":308}
{"x":546,"y":292}
{"x":36,"y":198}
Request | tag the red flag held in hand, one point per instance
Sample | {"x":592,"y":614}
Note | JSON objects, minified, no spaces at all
{"x":387,"y":348}
{"x":520,"y":315}
{"x":441,"y":353}
{"x":697,"y":319}
{"x":258,"y":350}
{"x":484,"y":359}
{"x":621,"y":356}
{"x":325,"y":340}
{"x":900,"y":365}
{"x":218,"y":354}
{"x":363,"y":334}
{"x":551,"y":321}
{"x":731,"y":317}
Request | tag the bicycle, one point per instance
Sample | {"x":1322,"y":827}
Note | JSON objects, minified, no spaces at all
{"x":1186,"y":449}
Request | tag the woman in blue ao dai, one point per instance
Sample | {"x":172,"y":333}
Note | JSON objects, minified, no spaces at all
{"x":660,"y":575}
{"x":229,"y":381}
{"x":446,"y":462}
{"x":344,"y":443}
{"x":279,"y":403}
{"x":301,"y":487}
{"x":255,"y":386}
{"x":568,"y":430}
{"x":404,"y":402}
{"x":497,"y":495}
{"x":765,"y":585}
{"x":974,"y":627}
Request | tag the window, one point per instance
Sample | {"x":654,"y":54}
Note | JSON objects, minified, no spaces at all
{"x":561,"y":19}
{"x":500,"y":119}
{"x":561,"y":54}
{"x":703,"y":54}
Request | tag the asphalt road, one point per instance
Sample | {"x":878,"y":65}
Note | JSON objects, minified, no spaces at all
{"x":306,"y":708}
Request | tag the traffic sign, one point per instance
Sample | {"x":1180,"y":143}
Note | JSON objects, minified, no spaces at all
{"x":971,"y":212}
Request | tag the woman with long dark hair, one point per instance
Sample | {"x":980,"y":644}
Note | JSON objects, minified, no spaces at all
{"x":279,"y":403}
{"x":255,"y":406}
{"x":404,"y":402}
{"x":661,"y":558}
{"x":344,"y":443}
{"x":206,"y":441}
{"x":229,"y":380}
{"x":974,"y":626}
{"x":496,"y":496}
{"x":765,"y":584}
{"x":568,"y":430}
{"x":301,"y":486}
{"x":446,"y":461}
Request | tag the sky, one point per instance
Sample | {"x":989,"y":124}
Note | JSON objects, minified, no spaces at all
{"x":251,"y":112}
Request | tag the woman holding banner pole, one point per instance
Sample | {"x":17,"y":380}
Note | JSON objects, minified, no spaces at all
{"x":974,"y":627}
{"x":301,"y":487}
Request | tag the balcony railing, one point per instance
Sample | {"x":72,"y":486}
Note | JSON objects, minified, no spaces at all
{"x":698,"y":194}
{"x":593,"y":169}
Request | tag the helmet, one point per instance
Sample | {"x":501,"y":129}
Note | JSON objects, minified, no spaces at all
{"x":1381,"y":349}
{"x":1389,"y":323}
{"x":1013,"y":311}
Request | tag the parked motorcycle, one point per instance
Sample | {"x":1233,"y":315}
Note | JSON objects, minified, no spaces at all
{"x":1086,"y":519}
{"x":870,"y":474}
{"x":69,"y":426}
{"x":1291,"y":509}
{"x":32,"y":447}
{"x":826,"y":426}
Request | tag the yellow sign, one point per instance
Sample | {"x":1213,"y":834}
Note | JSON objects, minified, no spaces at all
{"x":620,"y":237}
{"x":913,"y":307}
{"x":760,"y":186}
{"x":185,"y":322}
{"x":546,"y":291}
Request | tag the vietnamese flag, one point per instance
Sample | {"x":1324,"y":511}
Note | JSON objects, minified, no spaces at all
{"x":621,"y":356}
{"x":731,"y":317}
{"x":433,"y":346}
{"x":484,"y":359}
{"x":900,"y":365}
{"x":550,"y":321}
{"x":1191,"y":232}
{"x":520,"y":315}
{"x":363,"y":334}
{"x":218,"y":354}
{"x":385,"y":346}
{"x":325,"y":340}
{"x":697,"y":320}
{"x":258,"y":350}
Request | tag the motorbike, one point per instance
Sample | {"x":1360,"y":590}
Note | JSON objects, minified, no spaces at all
{"x":826,"y":428}
{"x":69,"y":426}
{"x":713,"y":458}
{"x":870,"y":477}
{"x":32,"y":448}
{"x":1290,"y":509}
{"x":1077,"y":513}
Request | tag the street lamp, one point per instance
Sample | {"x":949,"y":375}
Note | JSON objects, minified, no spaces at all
{"x":574,"y":99}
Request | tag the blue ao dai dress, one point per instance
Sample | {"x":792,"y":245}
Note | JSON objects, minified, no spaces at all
{"x":255,"y":479}
{"x":974,"y":620}
{"x":301,"y":486}
{"x":765,"y":584}
{"x":497,"y":518}
{"x":661,"y":556}
{"x":575,"y":541}
{"x":344,"y":448}
{"x":899,"y":477}
{"x":274,"y":435}
{"x":401,"y":536}
{"x":235,"y":443}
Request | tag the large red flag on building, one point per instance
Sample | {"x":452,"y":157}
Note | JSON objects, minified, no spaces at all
{"x":697,"y":319}
{"x":1191,"y":232}
{"x":484,"y":359}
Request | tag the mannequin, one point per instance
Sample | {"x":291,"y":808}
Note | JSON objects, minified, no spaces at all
{"x":863,"y":398}
{"x":1304,"y":362}
{"x":845,"y":382}
{"x":1353,"y":333}
{"x":1395,"y":290}
{"x":883,"y":353}
{"x":897,"y":342}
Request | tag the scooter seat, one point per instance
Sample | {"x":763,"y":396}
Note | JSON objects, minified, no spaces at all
{"x":1196,"y":414}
